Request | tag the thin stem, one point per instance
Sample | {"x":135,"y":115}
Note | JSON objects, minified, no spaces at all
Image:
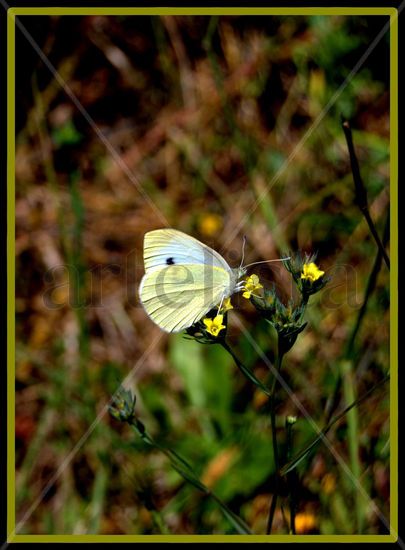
{"x":292,"y":476}
{"x":371,"y":284}
{"x":273,"y":504}
{"x":245,"y":371}
{"x":272,"y":511}
{"x":273,"y":415}
{"x":292,"y":464}
{"x":187,"y":473}
{"x":271,"y":394}
{"x":373,"y":230}
{"x":353,"y":438}
{"x":361,"y":192}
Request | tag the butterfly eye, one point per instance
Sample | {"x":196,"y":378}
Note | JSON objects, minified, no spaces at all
{"x":169,"y":261}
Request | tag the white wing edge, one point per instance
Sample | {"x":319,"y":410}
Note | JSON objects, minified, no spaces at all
{"x":181,"y":235}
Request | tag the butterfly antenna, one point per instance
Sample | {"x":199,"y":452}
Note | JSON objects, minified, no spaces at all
{"x":269,"y":261}
{"x":243,"y":251}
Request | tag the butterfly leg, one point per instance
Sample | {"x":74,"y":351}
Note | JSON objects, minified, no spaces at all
{"x":220,"y":304}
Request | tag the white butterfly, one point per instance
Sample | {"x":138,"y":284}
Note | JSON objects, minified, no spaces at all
{"x":184,"y":279}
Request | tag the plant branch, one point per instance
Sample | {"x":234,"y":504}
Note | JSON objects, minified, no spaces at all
{"x":371,"y":284}
{"x":273,"y":504}
{"x":245,"y":371}
{"x":123,"y":409}
{"x":361,"y":191}
{"x":187,"y":473}
{"x":292,"y":464}
{"x":352,"y":422}
{"x":292,"y":476}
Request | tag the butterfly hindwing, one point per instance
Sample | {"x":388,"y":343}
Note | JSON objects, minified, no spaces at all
{"x":177,"y":296}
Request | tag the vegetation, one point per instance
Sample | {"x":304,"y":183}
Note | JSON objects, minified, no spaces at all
{"x":220,"y":127}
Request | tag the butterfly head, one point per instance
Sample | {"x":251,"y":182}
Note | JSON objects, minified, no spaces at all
{"x":239,"y":275}
{"x":239,"y":272}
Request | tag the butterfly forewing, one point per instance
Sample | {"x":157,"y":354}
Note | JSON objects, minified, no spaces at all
{"x":164,"y":247}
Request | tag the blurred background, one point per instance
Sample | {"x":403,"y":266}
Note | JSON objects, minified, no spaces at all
{"x":216,"y":126}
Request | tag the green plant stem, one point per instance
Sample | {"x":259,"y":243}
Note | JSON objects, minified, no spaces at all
{"x":273,"y":413}
{"x":292,"y":464}
{"x":353,"y":438}
{"x":348,"y":351}
{"x":187,"y":473}
{"x":291,"y":477}
{"x":361,"y":192}
{"x":271,"y":394}
{"x":158,"y":522}
{"x":245,"y":371}
{"x":273,"y":504}
{"x":373,"y":230}
{"x":371,"y":284}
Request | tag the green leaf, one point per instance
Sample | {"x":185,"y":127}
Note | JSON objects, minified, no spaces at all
{"x":218,"y":384}
{"x":187,"y":358}
{"x":67,"y":135}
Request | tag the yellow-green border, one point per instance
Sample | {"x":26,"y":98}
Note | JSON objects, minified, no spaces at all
{"x":393,"y":14}
{"x":203,"y":11}
{"x":394,"y":272}
{"x":10,"y":275}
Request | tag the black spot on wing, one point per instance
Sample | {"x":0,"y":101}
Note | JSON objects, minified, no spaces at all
{"x":169,"y":261}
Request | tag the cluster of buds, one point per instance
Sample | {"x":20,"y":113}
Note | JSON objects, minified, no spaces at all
{"x":287,"y":319}
{"x":306,"y":274}
{"x":122,"y":408}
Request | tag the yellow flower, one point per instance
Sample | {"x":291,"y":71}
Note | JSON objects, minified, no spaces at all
{"x":305,"y":522}
{"x":226,"y":305}
{"x":311,"y":272}
{"x":251,"y":285}
{"x":210,"y":224}
{"x":214,"y":325}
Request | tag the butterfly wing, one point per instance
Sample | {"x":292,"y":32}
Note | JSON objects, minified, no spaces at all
{"x":164,"y":247}
{"x":177,"y":296}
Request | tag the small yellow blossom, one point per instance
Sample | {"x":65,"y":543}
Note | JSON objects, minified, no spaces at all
{"x":305,"y":522}
{"x":226,"y":305}
{"x":311,"y":272}
{"x":210,"y":224}
{"x":214,"y":325}
{"x":251,"y":285}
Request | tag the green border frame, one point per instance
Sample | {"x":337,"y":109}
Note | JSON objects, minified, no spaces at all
{"x":393,"y":14}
